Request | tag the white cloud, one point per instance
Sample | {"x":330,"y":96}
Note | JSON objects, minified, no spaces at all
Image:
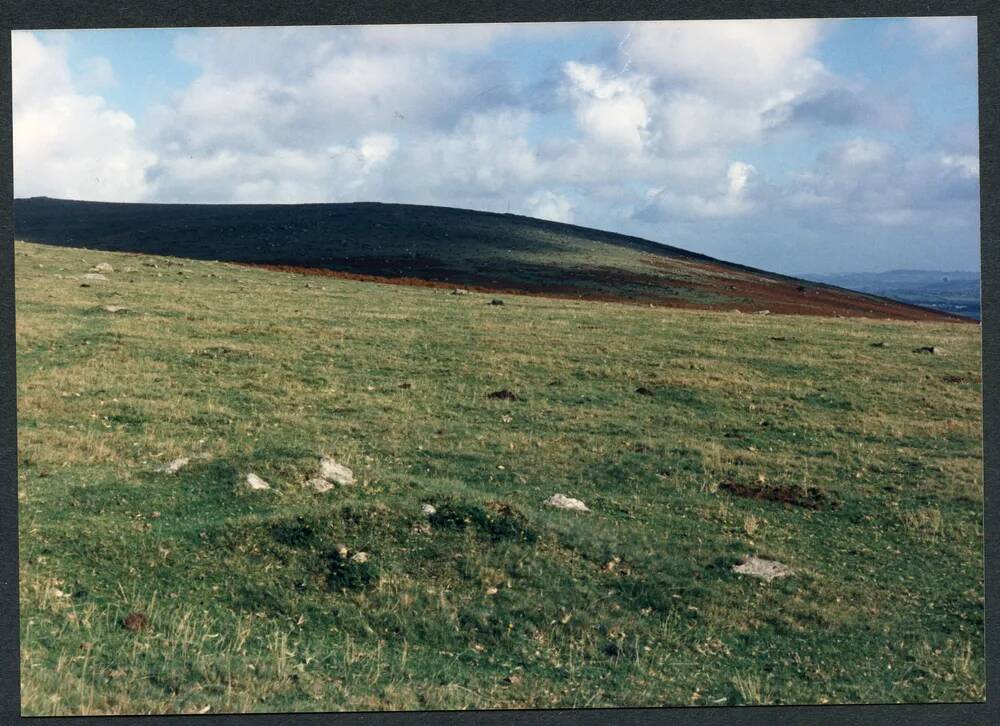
{"x":67,"y":144}
{"x":551,"y":206}
{"x":944,"y":34}
{"x":734,"y":58}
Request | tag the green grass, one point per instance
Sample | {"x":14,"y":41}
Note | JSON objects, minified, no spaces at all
{"x":495,"y":601}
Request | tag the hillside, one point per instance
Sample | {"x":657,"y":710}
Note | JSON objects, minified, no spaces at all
{"x":445,"y":247}
{"x":835,"y":447}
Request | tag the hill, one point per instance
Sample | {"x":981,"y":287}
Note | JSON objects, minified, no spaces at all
{"x":440,"y":246}
{"x":695,"y":439}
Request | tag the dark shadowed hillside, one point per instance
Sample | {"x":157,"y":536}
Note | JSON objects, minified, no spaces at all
{"x":441,"y":246}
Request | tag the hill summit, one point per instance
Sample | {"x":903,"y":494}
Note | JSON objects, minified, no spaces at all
{"x":443,"y":246}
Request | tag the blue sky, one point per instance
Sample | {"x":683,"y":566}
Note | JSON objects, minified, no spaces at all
{"x":823,"y":146}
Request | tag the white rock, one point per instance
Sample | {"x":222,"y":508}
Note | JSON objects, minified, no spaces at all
{"x":428,"y":509}
{"x":175,"y":466}
{"x":94,"y":277}
{"x":560,"y":501}
{"x":359,"y":557}
{"x":255,"y":482}
{"x":764,"y":569}
{"x":115,"y":308}
{"x":102,"y":267}
{"x":332,"y":471}
{"x":319,"y":484}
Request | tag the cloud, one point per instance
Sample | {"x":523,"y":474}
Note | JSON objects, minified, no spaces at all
{"x":67,"y":143}
{"x":551,"y":206}
{"x":652,"y":135}
{"x":944,"y":34}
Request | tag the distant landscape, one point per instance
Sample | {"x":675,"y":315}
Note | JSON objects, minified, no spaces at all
{"x":954,"y":292}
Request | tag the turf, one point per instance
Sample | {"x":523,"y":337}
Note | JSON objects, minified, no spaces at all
{"x":787,"y":437}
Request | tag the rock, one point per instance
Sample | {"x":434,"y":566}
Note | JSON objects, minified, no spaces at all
{"x":459,"y":291}
{"x":335,"y":472}
{"x":174,"y":466}
{"x":359,"y":557}
{"x":135,"y":621}
{"x":931,"y":349}
{"x":503,"y":395}
{"x":765,"y":569}
{"x":94,"y":277}
{"x":256,"y":483}
{"x":560,"y":501}
{"x":341,"y":550}
{"x":428,"y":509}
{"x":115,"y":308}
{"x":496,"y":302}
{"x":102,"y":267}
{"x":643,"y":391}
{"x":880,"y":344}
{"x":763,"y":312}
{"x":319,"y":484}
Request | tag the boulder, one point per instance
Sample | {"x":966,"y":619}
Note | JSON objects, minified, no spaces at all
{"x":561,"y":501}
{"x":333,"y":471}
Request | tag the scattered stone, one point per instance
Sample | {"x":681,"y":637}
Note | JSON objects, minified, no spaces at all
{"x":319,"y":484}
{"x":763,"y":312}
{"x":135,"y":621}
{"x":561,"y":501}
{"x":255,"y":482}
{"x":503,"y":395}
{"x":359,"y":557}
{"x":459,"y":291}
{"x":115,"y":308}
{"x":102,"y":267}
{"x":931,"y":349}
{"x":492,"y":591}
{"x":765,"y":569}
{"x":335,"y":472}
{"x":428,"y":509}
{"x":175,"y":466}
{"x":643,"y":391}
{"x":496,"y":302}
{"x":94,"y":277}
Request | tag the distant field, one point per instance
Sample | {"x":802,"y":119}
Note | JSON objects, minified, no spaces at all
{"x":494,"y":601}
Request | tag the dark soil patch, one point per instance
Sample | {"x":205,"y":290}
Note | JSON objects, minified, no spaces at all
{"x":807,"y":497}
{"x":135,"y":621}
{"x":503,"y":395}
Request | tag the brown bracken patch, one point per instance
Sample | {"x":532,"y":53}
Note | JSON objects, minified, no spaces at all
{"x":135,"y":621}
{"x":807,"y":497}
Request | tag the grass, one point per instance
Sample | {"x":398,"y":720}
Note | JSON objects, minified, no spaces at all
{"x":494,"y":601}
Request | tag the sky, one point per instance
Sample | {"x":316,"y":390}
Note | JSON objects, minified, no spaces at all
{"x":798,"y":146}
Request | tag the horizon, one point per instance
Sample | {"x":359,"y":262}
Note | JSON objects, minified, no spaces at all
{"x":812,"y":144}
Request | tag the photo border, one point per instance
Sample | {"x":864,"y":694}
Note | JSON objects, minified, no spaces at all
{"x":78,"y":14}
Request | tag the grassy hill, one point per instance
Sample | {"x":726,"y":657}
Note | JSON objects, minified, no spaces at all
{"x":442,"y":246}
{"x":793,"y":438}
